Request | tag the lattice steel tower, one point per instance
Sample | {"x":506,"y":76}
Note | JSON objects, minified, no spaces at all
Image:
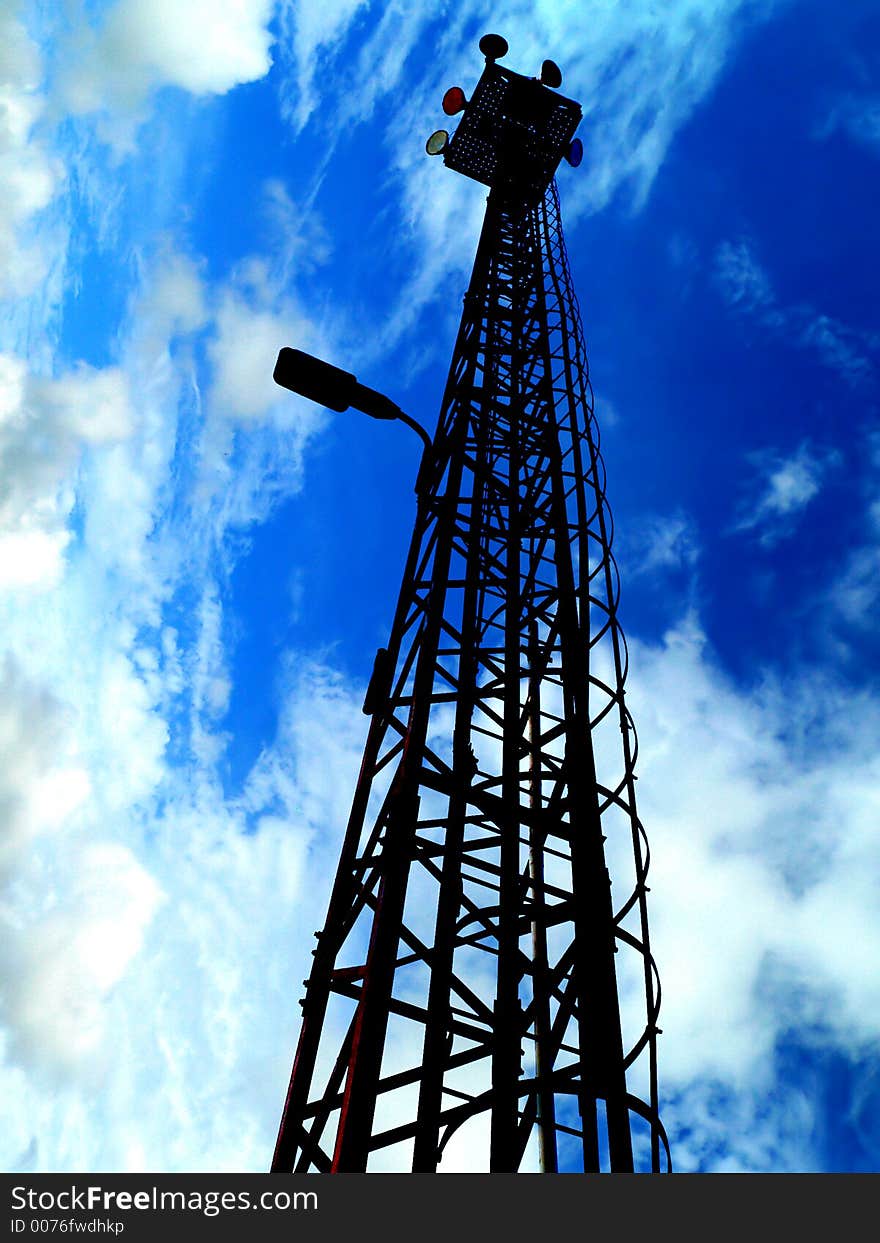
{"x":467,"y":999}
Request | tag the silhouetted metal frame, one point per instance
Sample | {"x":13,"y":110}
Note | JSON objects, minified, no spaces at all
{"x":479,"y":786}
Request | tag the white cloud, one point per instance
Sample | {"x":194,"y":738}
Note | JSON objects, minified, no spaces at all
{"x":173,"y":300}
{"x":72,"y":911}
{"x":260,"y":309}
{"x":35,"y":793}
{"x":179,"y":972}
{"x":60,"y":969}
{"x":92,"y":404}
{"x":30,"y":175}
{"x":204,"y":47}
{"x":157,"y":877}
{"x":32,"y":558}
{"x":761,"y":809}
{"x":158,"y":508}
{"x":243,"y":354}
{"x":781,"y":490}
{"x":44,"y":425}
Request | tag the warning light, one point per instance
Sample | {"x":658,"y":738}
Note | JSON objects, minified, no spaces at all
{"x":575,"y":152}
{"x":551,"y":74}
{"x":436,"y":144}
{"x":493,"y":47}
{"x":454,"y":101}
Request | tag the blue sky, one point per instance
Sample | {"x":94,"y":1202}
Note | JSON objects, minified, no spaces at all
{"x":196,"y":568}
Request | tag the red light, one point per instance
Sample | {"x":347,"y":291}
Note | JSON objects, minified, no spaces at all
{"x":454,"y":101}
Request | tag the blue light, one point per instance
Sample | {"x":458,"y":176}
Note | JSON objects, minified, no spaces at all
{"x":575,"y":152}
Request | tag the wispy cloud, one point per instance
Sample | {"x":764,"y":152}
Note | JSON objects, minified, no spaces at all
{"x":780,"y":489}
{"x":662,"y":543}
{"x":746,"y":288}
{"x":857,"y":116}
{"x":856,"y":590}
{"x":638,"y":77}
{"x":743,"y":282}
{"x":312,"y":34}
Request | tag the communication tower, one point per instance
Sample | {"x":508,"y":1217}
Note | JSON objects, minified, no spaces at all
{"x":484,"y":976}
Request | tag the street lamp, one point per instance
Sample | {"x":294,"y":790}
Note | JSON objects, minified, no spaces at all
{"x":337,"y":389}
